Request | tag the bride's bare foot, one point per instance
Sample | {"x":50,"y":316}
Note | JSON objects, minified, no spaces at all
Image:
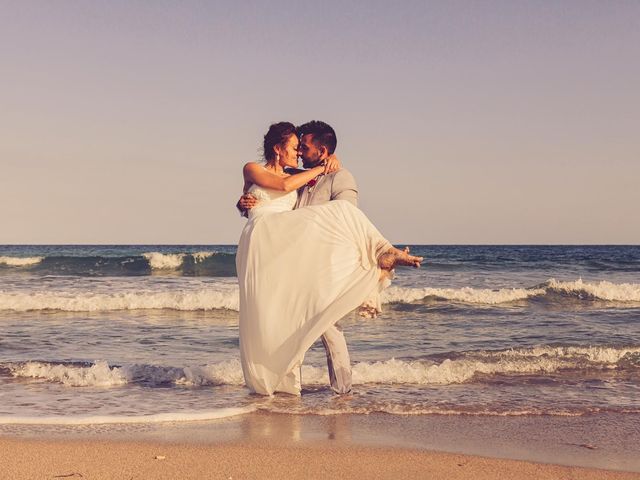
{"x":395,"y":256}
{"x":387,"y":261}
{"x":404,"y":258}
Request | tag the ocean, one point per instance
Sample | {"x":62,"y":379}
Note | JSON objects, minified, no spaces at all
{"x":137,"y":334}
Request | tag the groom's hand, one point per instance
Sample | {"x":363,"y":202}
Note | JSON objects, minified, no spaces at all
{"x":246,"y":203}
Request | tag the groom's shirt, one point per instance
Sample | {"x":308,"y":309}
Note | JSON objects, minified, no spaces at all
{"x":338,"y":185}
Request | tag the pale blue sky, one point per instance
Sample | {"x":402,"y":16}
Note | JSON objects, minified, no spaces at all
{"x":463,"y":122}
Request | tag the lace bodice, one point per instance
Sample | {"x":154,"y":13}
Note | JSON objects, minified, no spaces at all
{"x":271,"y":201}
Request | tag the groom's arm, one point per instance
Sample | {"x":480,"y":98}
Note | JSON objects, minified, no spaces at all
{"x":344,"y":187}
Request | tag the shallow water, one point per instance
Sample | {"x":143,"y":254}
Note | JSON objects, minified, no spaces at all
{"x":149,"y":333}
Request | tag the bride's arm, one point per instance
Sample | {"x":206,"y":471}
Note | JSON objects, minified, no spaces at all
{"x":255,"y":173}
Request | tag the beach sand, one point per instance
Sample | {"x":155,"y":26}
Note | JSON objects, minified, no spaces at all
{"x":263,"y":445}
{"x":30,"y":459}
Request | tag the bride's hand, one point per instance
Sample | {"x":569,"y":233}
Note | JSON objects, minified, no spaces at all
{"x":332,"y":164}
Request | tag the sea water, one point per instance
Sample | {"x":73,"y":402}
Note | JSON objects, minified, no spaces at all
{"x":133,"y":334}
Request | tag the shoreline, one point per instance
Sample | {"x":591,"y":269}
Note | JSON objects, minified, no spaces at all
{"x":352,"y":446}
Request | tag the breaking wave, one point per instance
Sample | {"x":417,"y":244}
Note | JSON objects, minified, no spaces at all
{"x":171,"y":261}
{"x":603,"y":290}
{"x":456,"y":368}
{"x":464,"y":295}
{"x":20,"y":261}
{"x":225,"y":296}
{"x":613,"y":292}
{"x":202,"y":299}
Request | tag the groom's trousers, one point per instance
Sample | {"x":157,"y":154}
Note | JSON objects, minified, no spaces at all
{"x":338,"y":185}
{"x":338,"y":360}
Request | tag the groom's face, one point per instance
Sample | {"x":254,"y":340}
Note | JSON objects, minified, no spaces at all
{"x":309,"y":151}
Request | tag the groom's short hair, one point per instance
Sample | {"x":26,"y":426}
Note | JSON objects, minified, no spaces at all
{"x":322,"y":133}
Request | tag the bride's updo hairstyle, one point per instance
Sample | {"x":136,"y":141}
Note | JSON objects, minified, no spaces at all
{"x":278,"y":134}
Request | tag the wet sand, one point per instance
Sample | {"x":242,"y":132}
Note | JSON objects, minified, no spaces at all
{"x":345,"y":446}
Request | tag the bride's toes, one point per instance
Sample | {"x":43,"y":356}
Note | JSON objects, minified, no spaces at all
{"x":416,"y":261}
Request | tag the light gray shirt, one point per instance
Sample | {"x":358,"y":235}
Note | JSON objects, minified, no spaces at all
{"x":339,"y":185}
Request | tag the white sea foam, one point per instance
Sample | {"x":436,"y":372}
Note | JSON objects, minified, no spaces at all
{"x":535,"y":360}
{"x":223,"y":373}
{"x":222,"y":295}
{"x":445,"y":373}
{"x":596,"y":354}
{"x":604,"y":290}
{"x":129,"y":419}
{"x":465,"y":294}
{"x":98,"y":375}
{"x":173,"y":261}
{"x":418,"y":409}
{"x":616,"y":292}
{"x":202,"y":256}
{"x":20,"y":261}
{"x":164,"y":261}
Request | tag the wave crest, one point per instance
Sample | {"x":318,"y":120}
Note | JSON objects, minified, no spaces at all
{"x":97,"y":375}
{"x":164,"y":261}
{"x":189,"y":300}
{"x":465,"y":294}
{"x":225,"y":296}
{"x":455,"y":369}
{"x":173,"y":261}
{"x":20,"y":261}
{"x":603,"y":290}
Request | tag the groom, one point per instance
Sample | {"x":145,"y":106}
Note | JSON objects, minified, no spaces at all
{"x":317,"y":141}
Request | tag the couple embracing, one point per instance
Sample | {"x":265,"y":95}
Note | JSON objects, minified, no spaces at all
{"x":306,"y":257}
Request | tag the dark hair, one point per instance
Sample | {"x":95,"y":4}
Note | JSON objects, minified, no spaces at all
{"x":323,"y":134}
{"x":278,"y":134}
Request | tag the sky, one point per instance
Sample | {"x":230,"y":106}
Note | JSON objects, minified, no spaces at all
{"x":463,"y":122}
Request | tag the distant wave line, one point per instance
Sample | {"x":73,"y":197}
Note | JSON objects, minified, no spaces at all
{"x":156,"y":260}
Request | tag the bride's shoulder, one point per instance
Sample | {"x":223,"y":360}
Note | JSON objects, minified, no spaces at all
{"x":252,"y":167}
{"x":253,"y":172}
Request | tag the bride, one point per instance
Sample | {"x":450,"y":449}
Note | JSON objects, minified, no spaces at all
{"x":299,"y":270}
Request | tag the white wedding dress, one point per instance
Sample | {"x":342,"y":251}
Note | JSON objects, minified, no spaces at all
{"x":299,"y":271}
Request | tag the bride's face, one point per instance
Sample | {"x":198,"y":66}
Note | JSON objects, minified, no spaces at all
{"x":289,"y":152}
